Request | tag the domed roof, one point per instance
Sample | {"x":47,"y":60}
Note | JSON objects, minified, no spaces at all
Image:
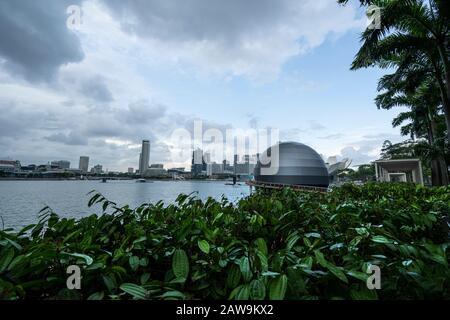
{"x":298,"y":164}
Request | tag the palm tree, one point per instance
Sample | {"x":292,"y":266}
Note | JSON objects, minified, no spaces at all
{"x":422,"y":121}
{"x":415,"y":29}
{"x":413,"y":85}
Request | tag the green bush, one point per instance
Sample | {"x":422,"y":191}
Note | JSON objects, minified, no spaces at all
{"x":270,"y":245}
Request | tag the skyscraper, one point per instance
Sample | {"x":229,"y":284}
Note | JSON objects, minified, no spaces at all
{"x":83,"y":165}
{"x":197,"y":162}
{"x":144,"y":159}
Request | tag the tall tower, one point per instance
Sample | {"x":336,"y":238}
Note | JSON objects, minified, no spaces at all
{"x":144,"y":158}
{"x":83,"y":165}
{"x":197,"y":162}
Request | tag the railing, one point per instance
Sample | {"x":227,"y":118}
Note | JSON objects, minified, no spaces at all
{"x":270,"y":185}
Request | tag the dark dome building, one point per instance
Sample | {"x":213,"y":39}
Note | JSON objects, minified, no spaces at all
{"x":298,"y":165}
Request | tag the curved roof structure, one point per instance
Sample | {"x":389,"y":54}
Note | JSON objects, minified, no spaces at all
{"x":298,"y":164}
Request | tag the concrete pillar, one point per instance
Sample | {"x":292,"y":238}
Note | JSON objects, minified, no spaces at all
{"x":420,"y":173}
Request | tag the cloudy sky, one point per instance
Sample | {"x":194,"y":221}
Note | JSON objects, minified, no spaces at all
{"x":140,"y":69}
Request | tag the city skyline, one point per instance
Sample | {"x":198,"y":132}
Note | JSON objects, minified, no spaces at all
{"x":101,"y":88}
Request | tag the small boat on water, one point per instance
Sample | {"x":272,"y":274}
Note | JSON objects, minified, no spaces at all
{"x":141,"y":180}
{"x":103,"y":180}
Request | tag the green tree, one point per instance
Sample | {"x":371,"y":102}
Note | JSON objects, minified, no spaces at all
{"x":422,"y":122}
{"x":417,"y":30}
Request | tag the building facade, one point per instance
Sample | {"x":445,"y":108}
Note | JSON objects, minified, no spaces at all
{"x":97,"y":169}
{"x":144,"y":158}
{"x":61,"y":164}
{"x":83,"y":165}
{"x":399,"y":170}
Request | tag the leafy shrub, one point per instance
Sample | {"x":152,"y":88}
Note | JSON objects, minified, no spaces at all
{"x":270,"y":245}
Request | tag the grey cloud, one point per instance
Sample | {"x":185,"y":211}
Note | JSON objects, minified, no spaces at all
{"x":142,"y":112}
{"x":358,"y":156}
{"x":16,"y":122}
{"x":34,"y":39}
{"x":72,"y":138}
{"x":195,"y":20}
{"x":252,"y":38}
{"x":95,"y":88}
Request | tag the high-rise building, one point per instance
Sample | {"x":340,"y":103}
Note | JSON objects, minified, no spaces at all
{"x":83,"y":165}
{"x":130,"y":170}
{"x":61,"y":164}
{"x":144,"y":159}
{"x":197,"y":162}
{"x":207,"y":157}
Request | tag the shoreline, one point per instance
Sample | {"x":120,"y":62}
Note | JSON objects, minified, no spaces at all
{"x":99,"y":179}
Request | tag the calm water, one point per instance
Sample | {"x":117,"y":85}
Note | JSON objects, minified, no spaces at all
{"x":20,"y":201}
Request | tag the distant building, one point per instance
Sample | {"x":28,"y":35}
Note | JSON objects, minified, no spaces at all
{"x":176,"y":170}
{"x":157,"y":166}
{"x":214,"y":169}
{"x":155,"y":172}
{"x":246,"y":167}
{"x":28,"y":168}
{"x":131,"y":170}
{"x":7,"y":168}
{"x":227,"y":168}
{"x":60,"y":164}
{"x":399,"y":170}
{"x":334,"y":167}
{"x":75,"y":171}
{"x":83,"y":165}
{"x":197,"y":163}
{"x":207,"y":157}
{"x":97,"y":169}
{"x":10,"y":166}
{"x":144,"y":157}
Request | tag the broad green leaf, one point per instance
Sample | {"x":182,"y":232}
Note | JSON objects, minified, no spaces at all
{"x":134,"y":262}
{"x":85,"y":257}
{"x":6,"y":259}
{"x":96,"y":296}
{"x":136,"y":291}
{"x":234,"y":276}
{"x":278,"y":287}
{"x":15,"y":244}
{"x":244,"y":266}
{"x":337,"y":272}
{"x":173,"y":295}
{"x":180,"y":264}
{"x":219,"y":215}
{"x":312,"y":235}
{"x":320,"y":258}
{"x":261,"y":245}
{"x":257,"y":290}
{"x":145,"y":277}
{"x":204,"y":246}
{"x":380,"y":239}
{"x":16,"y":261}
{"x":358,"y":275}
{"x":270,"y":274}
{"x":240,"y":293}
